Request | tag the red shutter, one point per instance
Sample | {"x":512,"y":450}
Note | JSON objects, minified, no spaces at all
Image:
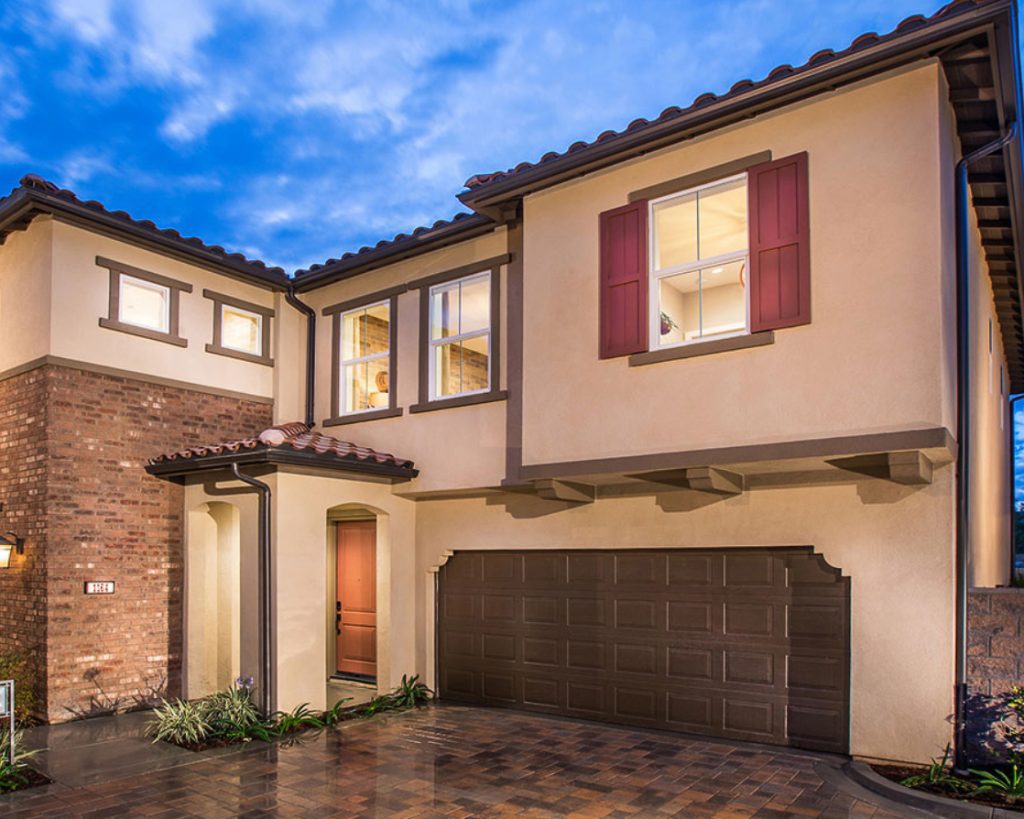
{"x":780,"y":253}
{"x":624,"y":280}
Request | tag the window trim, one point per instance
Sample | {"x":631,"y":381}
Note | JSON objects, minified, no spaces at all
{"x":336,"y":311}
{"x":112,"y":321}
{"x":654,"y":276}
{"x":458,"y":338}
{"x":494,"y":391}
{"x":220,"y":300}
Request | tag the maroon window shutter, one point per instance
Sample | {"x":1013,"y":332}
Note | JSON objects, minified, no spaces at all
{"x":780,"y":253}
{"x":624,"y":280}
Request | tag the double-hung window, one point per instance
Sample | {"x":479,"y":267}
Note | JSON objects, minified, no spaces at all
{"x":365,"y":359}
{"x":459,"y":357}
{"x":698,"y":264}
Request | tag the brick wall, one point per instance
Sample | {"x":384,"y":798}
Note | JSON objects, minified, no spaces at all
{"x":995,"y":664}
{"x":22,"y":493}
{"x":106,"y":519}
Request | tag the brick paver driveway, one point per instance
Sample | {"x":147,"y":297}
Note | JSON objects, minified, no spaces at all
{"x":456,"y":761}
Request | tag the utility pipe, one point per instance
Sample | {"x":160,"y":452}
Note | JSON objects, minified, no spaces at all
{"x":267,"y":694}
{"x":963,"y":433}
{"x":310,"y":314}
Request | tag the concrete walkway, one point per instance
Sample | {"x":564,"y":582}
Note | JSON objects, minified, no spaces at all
{"x":443,"y":761}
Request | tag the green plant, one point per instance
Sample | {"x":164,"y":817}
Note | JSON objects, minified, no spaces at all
{"x":232,"y":714}
{"x":382,"y":702}
{"x":937,"y":773}
{"x":12,"y":771}
{"x":18,"y":666}
{"x":285,"y":722}
{"x":337,"y":712}
{"x":181,"y":722}
{"x":411,"y":692}
{"x":1009,"y":784}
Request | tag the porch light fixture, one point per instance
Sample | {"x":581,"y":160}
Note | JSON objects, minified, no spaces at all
{"x":10,"y":543}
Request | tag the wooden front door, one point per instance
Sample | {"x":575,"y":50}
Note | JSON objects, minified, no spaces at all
{"x":356,"y":604}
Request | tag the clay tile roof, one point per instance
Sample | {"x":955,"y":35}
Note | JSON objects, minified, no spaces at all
{"x":294,"y":437}
{"x":389,"y":246}
{"x":742,"y":87}
{"x":42,"y":190}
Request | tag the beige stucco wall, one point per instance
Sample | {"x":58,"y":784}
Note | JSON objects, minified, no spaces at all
{"x":875,"y":531}
{"x":869,"y":360}
{"x":454,"y":448}
{"x":25,"y":268}
{"x":80,"y":293}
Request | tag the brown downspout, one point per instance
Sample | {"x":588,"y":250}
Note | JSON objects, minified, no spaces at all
{"x":310,"y":315}
{"x":963,"y":434}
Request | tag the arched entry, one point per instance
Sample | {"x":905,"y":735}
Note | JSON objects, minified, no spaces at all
{"x":213,"y":598}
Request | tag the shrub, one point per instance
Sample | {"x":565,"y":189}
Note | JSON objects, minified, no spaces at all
{"x":18,"y":666}
{"x":181,"y":722}
{"x":12,"y":771}
{"x":1009,"y":783}
{"x":285,"y":722}
{"x":411,"y":692}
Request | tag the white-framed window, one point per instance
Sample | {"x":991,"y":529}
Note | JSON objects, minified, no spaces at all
{"x":144,"y":304}
{"x":698,"y":264}
{"x":365,"y":359}
{"x":459,"y":358}
{"x":241,"y":330}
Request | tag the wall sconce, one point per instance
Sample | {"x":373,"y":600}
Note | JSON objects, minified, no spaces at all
{"x":9,"y":543}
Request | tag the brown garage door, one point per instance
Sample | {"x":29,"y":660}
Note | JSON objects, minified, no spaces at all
{"x":751,"y":644}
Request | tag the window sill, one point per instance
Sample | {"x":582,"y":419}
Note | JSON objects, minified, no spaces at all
{"x":721,"y":345}
{"x":142,"y":332}
{"x":241,"y":356}
{"x":460,"y":401}
{"x":359,"y":417}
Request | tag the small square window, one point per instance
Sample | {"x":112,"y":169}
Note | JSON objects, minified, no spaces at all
{"x":144,"y":304}
{"x":241,"y":330}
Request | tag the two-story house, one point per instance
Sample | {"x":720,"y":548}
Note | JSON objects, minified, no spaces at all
{"x":701,"y":426}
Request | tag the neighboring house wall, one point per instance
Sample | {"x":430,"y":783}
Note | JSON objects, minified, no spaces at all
{"x":25,"y":265}
{"x":431,"y":438}
{"x":869,"y":359}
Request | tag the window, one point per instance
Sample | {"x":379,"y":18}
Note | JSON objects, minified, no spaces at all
{"x":460,"y":337}
{"x":699,"y":264}
{"x":365,"y":359}
{"x":241,"y":329}
{"x":142,"y":303}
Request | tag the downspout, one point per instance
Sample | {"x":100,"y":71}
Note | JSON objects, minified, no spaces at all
{"x":310,"y":314}
{"x":266,"y":640}
{"x":963,"y":434}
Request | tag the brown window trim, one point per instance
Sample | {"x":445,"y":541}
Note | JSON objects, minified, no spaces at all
{"x":112,"y":321}
{"x":709,"y":347}
{"x":217,"y":348}
{"x":461,"y":401}
{"x":336,"y":311}
{"x":493,"y":266}
{"x":701,"y":177}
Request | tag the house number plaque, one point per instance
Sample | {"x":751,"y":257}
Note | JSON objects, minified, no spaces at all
{"x":99,"y":586}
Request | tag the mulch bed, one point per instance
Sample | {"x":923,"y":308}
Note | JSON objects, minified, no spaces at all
{"x":896,"y":773}
{"x":34,"y":780}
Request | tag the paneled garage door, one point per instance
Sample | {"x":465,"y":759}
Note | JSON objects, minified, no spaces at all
{"x":751,"y":644}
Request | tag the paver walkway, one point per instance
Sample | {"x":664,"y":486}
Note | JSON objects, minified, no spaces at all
{"x":457,"y":761}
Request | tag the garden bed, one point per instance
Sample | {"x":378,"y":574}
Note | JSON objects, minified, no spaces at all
{"x":948,"y":786}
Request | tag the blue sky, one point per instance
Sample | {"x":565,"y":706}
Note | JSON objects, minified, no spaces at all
{"x":295,"y":131}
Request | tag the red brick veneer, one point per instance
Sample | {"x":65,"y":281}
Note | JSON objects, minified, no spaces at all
{"x":106,"y":519}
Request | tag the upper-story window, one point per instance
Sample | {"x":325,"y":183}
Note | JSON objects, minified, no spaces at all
{"x":241,"y":329}
{"x":143,"y":303}
{"x":460,"y":337}
{"x":365,"y":359}
{"x":699,"y":264}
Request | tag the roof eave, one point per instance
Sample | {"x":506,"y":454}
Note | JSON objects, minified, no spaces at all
{"x":460,"y":231}
{"x":23,"y":205}
{"x":493,"y":197}
{"x":181,"y":468}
